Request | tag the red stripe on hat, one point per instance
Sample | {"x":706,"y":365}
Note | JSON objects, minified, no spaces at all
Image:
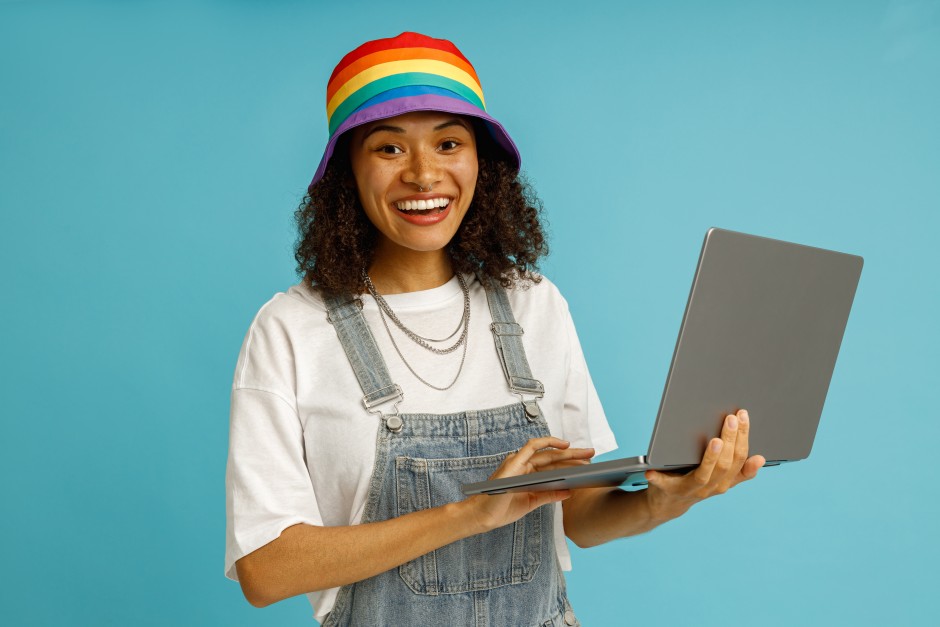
{"x":396,"y":54}
{"x":405,"y":40}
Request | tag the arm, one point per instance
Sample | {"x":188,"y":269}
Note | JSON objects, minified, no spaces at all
{"x":307,"y":557}
{"x":598,"y":515}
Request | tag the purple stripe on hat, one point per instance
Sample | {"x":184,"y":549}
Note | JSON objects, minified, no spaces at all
{"x":428,"y":102}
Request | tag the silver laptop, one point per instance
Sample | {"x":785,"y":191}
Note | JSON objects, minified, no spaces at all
{"x":761,"y":331}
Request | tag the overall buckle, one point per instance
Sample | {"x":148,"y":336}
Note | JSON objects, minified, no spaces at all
{"x":393,"y":422}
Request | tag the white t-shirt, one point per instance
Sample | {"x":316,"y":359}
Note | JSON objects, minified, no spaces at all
{"x":301,"y":444}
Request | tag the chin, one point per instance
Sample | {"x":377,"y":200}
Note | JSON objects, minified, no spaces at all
{"x":426,"y":245}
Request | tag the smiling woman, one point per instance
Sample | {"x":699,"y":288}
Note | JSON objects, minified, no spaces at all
{"x":490,"y":224}
{"x":348,"y":447}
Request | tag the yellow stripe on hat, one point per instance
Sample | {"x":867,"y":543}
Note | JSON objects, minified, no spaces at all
{"x":427,"y":66}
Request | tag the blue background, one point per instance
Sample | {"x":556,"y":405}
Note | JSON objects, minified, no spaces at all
{"x":152,"y":154}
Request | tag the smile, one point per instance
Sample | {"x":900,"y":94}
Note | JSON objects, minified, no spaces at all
{"x":424,"y":211}
{"x":422,"y":205}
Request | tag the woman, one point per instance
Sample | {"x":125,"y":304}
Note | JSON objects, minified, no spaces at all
{"x":357,"y":415}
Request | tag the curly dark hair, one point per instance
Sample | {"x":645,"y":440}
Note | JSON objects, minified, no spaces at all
{"x":501,"y":236}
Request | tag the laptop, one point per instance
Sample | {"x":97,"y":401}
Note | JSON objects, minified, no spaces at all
{"x":761,"y":331}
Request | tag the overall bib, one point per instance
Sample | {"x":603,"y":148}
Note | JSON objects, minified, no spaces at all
{"x":508,"y":577}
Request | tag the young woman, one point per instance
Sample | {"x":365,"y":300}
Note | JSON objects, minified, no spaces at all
{"x":422,"y":351}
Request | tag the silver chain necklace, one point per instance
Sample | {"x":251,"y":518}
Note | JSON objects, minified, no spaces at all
{"x":418,"y":339}
{"x":383,"y":308}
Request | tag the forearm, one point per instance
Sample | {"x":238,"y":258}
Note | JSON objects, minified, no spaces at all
{"x":306,"y":558}
{"x":598,"y":515}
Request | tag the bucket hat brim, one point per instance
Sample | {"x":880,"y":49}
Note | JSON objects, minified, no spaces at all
{"x":408,"y":104}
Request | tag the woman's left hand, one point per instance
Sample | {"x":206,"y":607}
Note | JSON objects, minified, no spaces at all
{"x":724,"y":465}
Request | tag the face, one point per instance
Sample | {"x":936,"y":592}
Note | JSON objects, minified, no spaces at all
{"x":391,"y":159}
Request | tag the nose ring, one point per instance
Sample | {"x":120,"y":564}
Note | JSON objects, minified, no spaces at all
{"x":421,"y":189}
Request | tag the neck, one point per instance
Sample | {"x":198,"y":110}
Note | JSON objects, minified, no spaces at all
{"x":409,"y":270}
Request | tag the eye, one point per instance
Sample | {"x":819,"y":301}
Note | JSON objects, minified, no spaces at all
{"x":449,"y":144}
{"x":389,"y":149}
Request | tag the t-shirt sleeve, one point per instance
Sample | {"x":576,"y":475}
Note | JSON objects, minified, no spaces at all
{"x":585,"y":422}
{"x":267,"y":484}
{"x":267,"y":487}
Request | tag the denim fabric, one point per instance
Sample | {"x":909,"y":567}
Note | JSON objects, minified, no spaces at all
{"x":507,"y":577}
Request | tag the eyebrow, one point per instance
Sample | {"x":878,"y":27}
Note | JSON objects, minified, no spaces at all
{"x":401,"y":131}
{"x":454,"y":122}
{"x":383,"y":127}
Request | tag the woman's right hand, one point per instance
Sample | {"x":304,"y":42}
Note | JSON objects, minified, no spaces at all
{"x":493,"y":511}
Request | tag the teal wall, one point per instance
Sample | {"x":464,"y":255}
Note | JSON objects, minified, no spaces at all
{"x":152,"y":153}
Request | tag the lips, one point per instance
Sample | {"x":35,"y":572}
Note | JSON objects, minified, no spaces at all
{"x":434,"y":211}
{"x":423,"y":209}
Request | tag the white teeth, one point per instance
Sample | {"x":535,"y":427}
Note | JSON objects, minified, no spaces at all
{"x":422,"y":205}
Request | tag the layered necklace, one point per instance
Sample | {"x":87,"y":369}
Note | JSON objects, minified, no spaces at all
{"x":464,"y":323}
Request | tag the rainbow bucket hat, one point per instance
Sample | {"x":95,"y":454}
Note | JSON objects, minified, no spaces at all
{"x":411,"y":72}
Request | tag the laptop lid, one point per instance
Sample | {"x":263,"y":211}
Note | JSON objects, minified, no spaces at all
{"x":761,"y":331}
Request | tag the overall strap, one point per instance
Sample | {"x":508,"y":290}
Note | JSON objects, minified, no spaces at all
{"x":508,"y":337}
{"x":345,"y":314}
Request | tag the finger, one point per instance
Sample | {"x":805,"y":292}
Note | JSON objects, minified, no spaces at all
{"x":516,"y":463}
{"x":666,"y":481}
{"x":548,"y":457}
{"x":538,"y":499}
{"x":567,"y":463}
{"x":729,"y":435}
{"x":750,"y":468}
{"x":701,"y":475}
{"x":534,"y":445}
{"x":741,"y":442}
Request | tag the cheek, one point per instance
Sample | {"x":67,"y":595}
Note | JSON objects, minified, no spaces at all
{"x":372,"y":186}
{"x":466,"y":175}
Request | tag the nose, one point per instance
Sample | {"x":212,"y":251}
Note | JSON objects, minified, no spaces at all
{"x":423,"y":169}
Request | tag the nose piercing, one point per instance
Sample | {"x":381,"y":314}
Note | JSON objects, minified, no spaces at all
{"x":421,"y":189}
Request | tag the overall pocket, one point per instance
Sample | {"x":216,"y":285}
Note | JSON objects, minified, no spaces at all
{"x":504,"y":556}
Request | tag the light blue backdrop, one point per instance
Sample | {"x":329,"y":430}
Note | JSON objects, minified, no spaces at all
{"x":151,"y":155}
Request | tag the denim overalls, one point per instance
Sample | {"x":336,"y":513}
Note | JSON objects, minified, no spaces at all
{"x":508,"y":577}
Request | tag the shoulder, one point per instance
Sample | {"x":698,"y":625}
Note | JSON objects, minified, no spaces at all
{"x":299,"y":304}
{"x":286,"y":322}
{"x":538,"y":306}
{"x":543,"y":295}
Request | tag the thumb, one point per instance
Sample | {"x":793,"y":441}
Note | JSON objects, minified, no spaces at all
{"x":550,"y":496}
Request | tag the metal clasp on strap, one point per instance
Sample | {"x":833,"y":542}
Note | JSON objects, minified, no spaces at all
{"x":531,"y":406}
{"x":393,"y":422}
{"x":506,"y":328}
{"x":520,"y":387}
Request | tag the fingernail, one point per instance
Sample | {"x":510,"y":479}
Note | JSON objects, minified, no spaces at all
{"x":732,"y":422}
{"x":744,"y":417}
{"x":716,"y":446}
